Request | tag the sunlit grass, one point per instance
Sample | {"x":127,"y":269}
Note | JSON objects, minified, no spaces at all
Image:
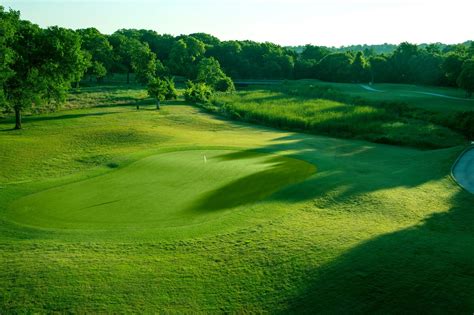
{"x":375,"y":228}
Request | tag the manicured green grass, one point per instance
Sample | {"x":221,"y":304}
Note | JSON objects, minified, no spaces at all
{"x":413,"y":95}
{"x":323,"y":116}
{"x":171,"y":191}
{"x":375,"y":228}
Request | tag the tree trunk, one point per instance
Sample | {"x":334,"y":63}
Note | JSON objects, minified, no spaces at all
{"x":17,"y":118}
{"x":158,"y":104}
{"x":138,"y":107}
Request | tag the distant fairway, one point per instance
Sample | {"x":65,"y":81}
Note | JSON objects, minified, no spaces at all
{"x":162,"y":191}
{"x":437,"y":99}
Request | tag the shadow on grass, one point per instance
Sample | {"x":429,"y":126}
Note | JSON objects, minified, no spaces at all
{"x":257,"y":186}
{"x":27,"y":119}
{"x":425,"y":269}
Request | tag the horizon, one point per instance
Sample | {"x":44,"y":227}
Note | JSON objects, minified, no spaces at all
{"x":306,"y":22}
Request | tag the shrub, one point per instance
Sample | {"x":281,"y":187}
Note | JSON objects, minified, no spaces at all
{"x":198,"y":93}
{"x":225,"y":85}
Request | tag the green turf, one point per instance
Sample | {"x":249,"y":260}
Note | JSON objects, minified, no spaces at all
{"x":376,"y":229}
{"x":169,"y":190}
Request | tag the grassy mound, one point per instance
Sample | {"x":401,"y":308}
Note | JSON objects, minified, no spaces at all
{"x":162,"y":191}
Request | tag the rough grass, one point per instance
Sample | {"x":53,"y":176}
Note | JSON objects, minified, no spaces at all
{"x":377,"y":229}
{"x":323,"y":116}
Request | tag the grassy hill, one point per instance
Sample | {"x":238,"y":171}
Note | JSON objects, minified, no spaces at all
{"x":113,"y":209}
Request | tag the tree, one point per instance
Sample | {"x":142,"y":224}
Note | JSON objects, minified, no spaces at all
{"x":402,"y":61}
{"x":100,"y":51}
{"x":161,"y":89}
{"x":359,"y":68}
{"x":466,"y":77}
{"x":210,"y":72}
{"x":304,"y":69}
{"x":452,"y":67}
{"x":379,"y":69}
{"x":315,"y":53}
{"x":184,"y":56}
{"x":426,"y":68}
{"x":144,"y":63}
{"x":46,"y":63}
{"x":335,"y":67}
{"x":229,"y":56}
{"x":207,"y":39}
{"x":8,"y":27}
{"x":123,"y":48}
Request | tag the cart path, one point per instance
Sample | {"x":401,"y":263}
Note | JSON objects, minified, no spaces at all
{"x":463,"y":170}
{"x":369,"y":88}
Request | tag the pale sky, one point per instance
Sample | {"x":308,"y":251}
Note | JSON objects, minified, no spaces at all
{"x":285,"y":22}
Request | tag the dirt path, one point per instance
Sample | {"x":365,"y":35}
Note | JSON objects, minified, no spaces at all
{"x":463,"y":170}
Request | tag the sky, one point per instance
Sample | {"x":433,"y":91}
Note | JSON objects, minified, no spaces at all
{"x":285,"y":22}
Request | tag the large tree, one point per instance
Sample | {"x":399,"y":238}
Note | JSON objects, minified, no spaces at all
{"x":402,"y":60}
{"x":144,"y":63}
{"x":379,"y":69}
{"x":100,"y":51}
{"x":335,"y":67}
{"x":452,"y":67}
{"x":185,"y":55}
{"x":360,"y":68}
{"x":8,"y":27}
{"x":46,"y":63}
{"x":466,"y":77}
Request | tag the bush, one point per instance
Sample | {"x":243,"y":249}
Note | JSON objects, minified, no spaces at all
{"x":225,"y":85}
{"x":198,"y":93}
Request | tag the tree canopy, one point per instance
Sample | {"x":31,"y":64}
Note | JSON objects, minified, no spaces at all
{"x":45,"y":63}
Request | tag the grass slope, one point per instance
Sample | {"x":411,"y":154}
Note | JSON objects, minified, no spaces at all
{"x":376,"y":229}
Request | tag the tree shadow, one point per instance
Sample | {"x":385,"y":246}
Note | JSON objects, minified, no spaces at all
{"x":346,"y":164}
{"x":424,"y":269}
{"x":256,"y":186}
{"x":27,"y":119}
{"x":341,"y":165}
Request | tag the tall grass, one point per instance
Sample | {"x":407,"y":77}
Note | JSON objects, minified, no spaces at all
{"x":381,"y":124}
{"x":448,"y":116}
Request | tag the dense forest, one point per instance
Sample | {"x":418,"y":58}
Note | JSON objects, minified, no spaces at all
{"x":39,"y":65}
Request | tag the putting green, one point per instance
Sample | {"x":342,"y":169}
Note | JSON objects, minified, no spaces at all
{"x":172,"y":189}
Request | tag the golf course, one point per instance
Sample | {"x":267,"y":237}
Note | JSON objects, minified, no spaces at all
{"x":105,"y":208}
{"x":236,"y":157}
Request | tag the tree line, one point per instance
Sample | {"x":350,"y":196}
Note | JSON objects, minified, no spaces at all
{"x":38,"y":66}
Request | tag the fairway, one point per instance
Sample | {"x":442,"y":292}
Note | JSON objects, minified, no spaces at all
{"x":167,"y":190}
